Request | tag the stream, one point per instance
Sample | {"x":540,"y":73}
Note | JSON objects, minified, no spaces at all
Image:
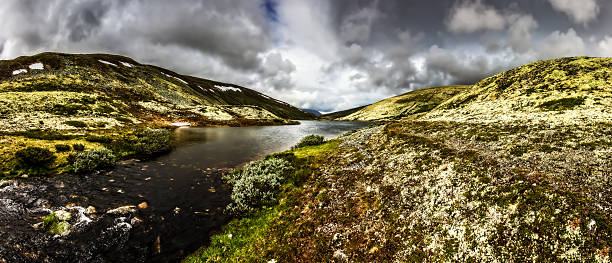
{"x":158,"y":210}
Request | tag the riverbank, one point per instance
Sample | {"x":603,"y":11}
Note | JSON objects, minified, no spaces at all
{"x":439,"y":191}
{"x":155,"y":210}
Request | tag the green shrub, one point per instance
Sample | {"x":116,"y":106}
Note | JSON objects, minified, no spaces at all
{"x":310,"y":140}
{"x":35,"y":156}
{"x":78,"y":147}
{"x":77,"y":124}
{"x":153,"y":141}
{"x":95,"y":159}
{"x":256,"y":184}
{"x":62,"y":148}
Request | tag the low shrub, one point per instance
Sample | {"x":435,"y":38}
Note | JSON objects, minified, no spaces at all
{"x":78,"y":147}
{"x":153,"y":141}
{"x":62,"y":148}
{"x":98,"y":138}
{"x":95,"y":159}
{"x":256,"y":184}
{"x":35,"y":156}
{"x":310,"y":140}
{"x":77,"y":124}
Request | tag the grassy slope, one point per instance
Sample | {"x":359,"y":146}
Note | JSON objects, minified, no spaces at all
{"x":407,"y":104}
{"x":340,"y":114}
{"x":83,"y":86}
{"x":466,"y":190}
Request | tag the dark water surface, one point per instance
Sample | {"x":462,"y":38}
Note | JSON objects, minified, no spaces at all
{"x":183,"y":191}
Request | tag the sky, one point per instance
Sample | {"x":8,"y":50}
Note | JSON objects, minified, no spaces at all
{"x":326,"y":55}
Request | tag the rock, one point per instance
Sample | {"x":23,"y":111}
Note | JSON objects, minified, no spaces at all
{"x":90,"y":210}
{"x":135,"y":221}
{"x":37,"y":225}
{"x":63,"y":215}
{"x":123,"y":210}
{"x":143,"y":205}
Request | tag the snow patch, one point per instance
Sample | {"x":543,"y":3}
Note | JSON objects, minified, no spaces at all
{"x":180,"y":124}
{"x":106,"y":62}
{"x":175,"y":78}
{"x":37,"y":66}
{"x":126,"y":64}
{"x":227,"y":88}
{"x":19,"y":71}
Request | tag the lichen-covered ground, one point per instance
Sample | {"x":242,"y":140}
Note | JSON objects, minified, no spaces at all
{"x":440,"y":192}
{"x":517,"y":168}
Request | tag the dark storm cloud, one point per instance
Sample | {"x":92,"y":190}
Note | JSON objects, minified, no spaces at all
{"x":318,"y":54}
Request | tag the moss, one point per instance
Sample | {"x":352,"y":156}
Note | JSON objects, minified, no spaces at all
{"x":60,"y":228}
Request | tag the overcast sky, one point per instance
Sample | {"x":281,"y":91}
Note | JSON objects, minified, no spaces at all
{"x":322,"y":54}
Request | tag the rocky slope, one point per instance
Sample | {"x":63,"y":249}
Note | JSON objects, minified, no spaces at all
{"x":516,"y":169}
{"x":404,"y":105}
{"x":46,"y":90}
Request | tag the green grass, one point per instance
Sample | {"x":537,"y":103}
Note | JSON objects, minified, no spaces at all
{"x":250,"y":238}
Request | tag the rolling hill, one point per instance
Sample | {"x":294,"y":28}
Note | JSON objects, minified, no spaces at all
{"x":574,"y":89}
{"x":45,"y":90}
{"x":407,"y":104}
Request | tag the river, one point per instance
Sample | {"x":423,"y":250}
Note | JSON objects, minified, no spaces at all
{"x":175,"y":201}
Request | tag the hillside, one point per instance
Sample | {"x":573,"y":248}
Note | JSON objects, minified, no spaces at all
{"x":407,"y":104}
{"x":562,"y":90}
{"x":516,"y":169}
{"x":42,"y":91}
{"x":340,"y":114}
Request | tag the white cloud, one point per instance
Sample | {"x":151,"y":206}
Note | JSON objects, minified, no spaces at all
{"x":519,"y":32}
{"x":559,"y":44}
{"x":469,"y":17}
{"x":580,"y":11}
{"x":604,"y":47}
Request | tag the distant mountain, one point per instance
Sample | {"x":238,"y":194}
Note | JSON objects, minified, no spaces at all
{"x":315,"y":112}
{"x":41,"y":91}
{"x":414,"y":102}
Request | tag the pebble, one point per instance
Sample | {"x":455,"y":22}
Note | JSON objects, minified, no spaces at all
{"x":122,"y":210}
{"x":90,"y":210}
{"x":143,"y":205}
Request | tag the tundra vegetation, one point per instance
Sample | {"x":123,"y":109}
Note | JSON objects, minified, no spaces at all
{"x":516,"y":168}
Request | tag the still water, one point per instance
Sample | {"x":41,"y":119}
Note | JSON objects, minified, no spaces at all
{"x":183,"y":193}
{"x":232,"y":146}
